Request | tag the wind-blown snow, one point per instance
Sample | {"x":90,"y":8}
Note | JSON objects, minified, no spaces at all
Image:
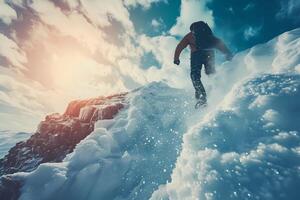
{"x":245,"y":145}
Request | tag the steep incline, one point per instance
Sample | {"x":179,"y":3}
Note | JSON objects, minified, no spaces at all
{"x":248,"y":149}
{"x":244,"y":145}
{"x":127,"y":157}
{"x":249,"y":146}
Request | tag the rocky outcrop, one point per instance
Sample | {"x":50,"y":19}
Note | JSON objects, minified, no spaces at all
{"x":58,"y":135}
{"x":55,"y":137}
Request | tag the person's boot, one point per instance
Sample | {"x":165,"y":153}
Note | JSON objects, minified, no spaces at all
{"x":201,"y":102}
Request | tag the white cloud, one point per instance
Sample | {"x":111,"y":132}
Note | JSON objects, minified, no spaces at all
{"x":158,"y":24}
{"x":191,"y":11}
{"x":90,"y":37}
{"x":144,"y":3}
{"x":69,"y":54}
{"x":289,"y":9}
{"x":163,"y":48}
{"x":23,"y":102}
{"x":74,"y":24}
{"x":231,"y":10}
{"x":11,"y":51}
{"x":251,"y":32}
{"x":19,"y":95}
{"x":249,"y":6}
{"x":101,"y":11}
{"x":7,"y":14}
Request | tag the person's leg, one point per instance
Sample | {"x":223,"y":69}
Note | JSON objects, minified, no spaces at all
{"x":209,"y":63}
{"x":196,"y":80}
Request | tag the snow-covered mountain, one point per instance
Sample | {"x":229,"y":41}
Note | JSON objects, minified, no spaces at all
{"x":244,"y":145}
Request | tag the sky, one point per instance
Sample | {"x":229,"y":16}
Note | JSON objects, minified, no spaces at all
{"x":54,"y":51}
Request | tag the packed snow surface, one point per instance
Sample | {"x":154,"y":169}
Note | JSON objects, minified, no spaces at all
{"x":248,"y":149}
{"x":244,"y":145}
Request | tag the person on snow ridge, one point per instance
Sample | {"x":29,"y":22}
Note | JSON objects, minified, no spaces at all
{"x":202,"y":43}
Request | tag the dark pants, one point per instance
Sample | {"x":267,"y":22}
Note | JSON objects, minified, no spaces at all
{"x":198,"y":59}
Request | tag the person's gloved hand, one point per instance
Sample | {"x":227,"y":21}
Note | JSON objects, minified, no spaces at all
{"x":176,"y":62}
{"x":229,"y":57}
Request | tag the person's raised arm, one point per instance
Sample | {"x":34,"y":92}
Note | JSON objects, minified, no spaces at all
{"x":220,"y":45}
{"x":182,"y":44}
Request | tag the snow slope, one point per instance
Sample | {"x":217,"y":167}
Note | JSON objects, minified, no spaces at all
{"x":245,"y":145}
{"x":249,"y":146}
{"x":124,"y":158}
{"x":248,"y":149}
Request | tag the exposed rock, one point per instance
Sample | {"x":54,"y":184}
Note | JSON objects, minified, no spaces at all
{"x":86,"y":113}
{"x":9,"y":188}
{"x":58,"y":135}
{"x":74,"y":108}
{"x":55,"y":137}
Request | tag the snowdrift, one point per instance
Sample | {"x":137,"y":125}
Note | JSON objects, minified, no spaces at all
{"x":247,"y":149}
{"x":245,"y":145}
{"x":249,"y":146}
{"x":127,"y":157}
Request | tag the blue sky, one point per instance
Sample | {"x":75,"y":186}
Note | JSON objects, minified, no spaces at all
{"x":241,"y":23}
{"x":54,"y":51}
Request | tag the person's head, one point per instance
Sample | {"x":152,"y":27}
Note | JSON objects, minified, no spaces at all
{"x":201,"y":27}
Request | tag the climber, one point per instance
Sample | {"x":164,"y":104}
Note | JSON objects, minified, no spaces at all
{"x":202,"y":43}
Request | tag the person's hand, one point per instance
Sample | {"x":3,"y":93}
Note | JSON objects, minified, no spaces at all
{"x":229,"y":57}
{"x":176,"y":62}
